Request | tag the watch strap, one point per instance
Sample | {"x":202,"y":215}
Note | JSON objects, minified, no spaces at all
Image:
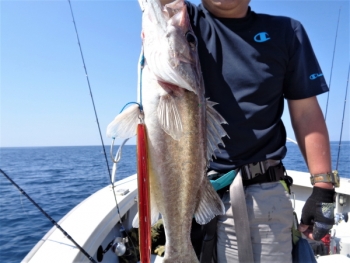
{"x":332,"y":177}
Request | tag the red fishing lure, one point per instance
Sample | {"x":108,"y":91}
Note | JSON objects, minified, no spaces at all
{"x":143,"y":195}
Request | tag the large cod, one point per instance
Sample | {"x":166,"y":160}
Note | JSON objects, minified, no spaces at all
{"x":183,"y":128}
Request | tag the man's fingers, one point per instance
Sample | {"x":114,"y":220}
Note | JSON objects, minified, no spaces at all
{"x":306,"y":230}
{"x":302,"y":227}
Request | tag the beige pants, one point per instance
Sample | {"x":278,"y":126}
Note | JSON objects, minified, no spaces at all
{"x":270,"y":216}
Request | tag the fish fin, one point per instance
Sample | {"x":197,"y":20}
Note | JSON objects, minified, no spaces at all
{"x":124,"y":125}
{"x":135,"y":221}
{"x":210,"y":204}
{"x":169,"y":117}
{"x":154,"y":215}
{"x":215,"y":131}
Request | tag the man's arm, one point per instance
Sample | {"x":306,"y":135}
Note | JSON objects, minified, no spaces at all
{"x":312,"y":136}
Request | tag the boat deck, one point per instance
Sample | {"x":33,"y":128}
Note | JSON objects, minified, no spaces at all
{"x":156,"y":259}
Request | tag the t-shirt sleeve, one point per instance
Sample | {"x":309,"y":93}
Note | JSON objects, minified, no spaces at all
{"x":304,"y":77}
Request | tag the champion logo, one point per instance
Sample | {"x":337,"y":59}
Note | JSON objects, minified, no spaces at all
{"x":262,"y":37}
{"x":315,"y":76}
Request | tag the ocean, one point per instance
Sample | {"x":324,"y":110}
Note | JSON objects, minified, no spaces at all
{"x":59,"y":178}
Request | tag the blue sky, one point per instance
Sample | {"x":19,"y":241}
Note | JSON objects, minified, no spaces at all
{"x":45,"y":99}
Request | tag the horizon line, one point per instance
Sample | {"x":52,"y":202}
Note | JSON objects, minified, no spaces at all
{"x":46,"y":146}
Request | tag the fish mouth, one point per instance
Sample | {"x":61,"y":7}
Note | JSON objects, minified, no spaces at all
{"x":181,"y":76}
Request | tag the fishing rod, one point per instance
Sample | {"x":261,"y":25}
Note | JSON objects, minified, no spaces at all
{"x":88,"y":82}
{"x":93,"y":104}
{"x":100,"y":133}
{"x":330,"y":77}
{"x":342,"y":123}
{"x":50,"y":218}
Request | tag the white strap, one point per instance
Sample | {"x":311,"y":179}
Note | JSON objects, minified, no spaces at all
{"x":240,"y":216}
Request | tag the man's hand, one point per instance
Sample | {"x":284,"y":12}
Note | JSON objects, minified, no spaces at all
{"x":311,"y":133}
{"x":317,"y":217}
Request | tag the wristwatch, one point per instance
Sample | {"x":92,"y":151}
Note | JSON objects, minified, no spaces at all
{"x":332,"y":177}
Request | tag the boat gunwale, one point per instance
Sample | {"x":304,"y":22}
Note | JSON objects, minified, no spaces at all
{"x":88,"y":244}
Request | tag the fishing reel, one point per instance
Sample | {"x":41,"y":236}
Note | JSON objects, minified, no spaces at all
{"x":120,"y":244}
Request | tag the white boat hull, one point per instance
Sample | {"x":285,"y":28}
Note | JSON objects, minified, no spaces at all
{"x":94,"y":223}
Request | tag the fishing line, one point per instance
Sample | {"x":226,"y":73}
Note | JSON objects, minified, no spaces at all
{"x":141,"y":66}
{"x":132,"y":102}
{"x":342,"y":122}
{"x":49,"y":217}
{"x":330,"y":77}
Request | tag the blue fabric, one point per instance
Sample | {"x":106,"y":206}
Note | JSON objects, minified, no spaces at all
{"x":302,"y":252}
{"x":249,"y":65}
{"x":224,"y":180}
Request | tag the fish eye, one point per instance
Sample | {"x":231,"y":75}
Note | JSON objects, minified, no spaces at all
{"x":191,"y":39}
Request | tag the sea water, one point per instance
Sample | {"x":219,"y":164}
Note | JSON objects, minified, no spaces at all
{"x":59,"y":178}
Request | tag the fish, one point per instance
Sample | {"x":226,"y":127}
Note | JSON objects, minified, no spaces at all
{"x":183,"y":128}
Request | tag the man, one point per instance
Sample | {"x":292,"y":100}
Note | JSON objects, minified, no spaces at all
{"x":250,"y":63}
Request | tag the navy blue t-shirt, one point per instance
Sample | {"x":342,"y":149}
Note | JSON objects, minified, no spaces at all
{"x":249,"y":66}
